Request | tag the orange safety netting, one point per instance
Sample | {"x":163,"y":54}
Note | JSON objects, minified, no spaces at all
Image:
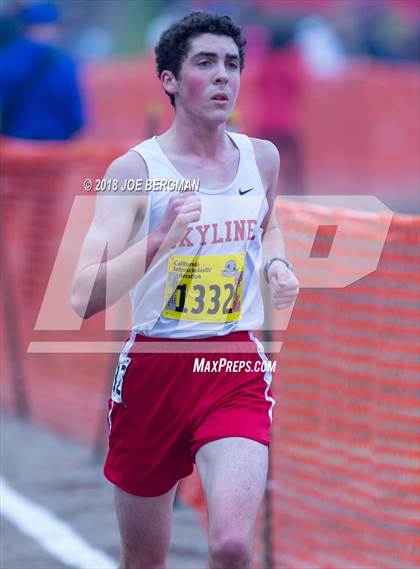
{"x":39,"y":184}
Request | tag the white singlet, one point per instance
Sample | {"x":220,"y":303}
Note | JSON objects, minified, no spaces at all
{"x":209,"y":285}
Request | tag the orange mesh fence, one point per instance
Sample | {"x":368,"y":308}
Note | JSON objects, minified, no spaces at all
{"x":345,"y":457}
{"x":39,"y":183}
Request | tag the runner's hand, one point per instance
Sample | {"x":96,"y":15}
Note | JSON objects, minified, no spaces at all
{"x":284,"y":286}
{"x":180,"y":212}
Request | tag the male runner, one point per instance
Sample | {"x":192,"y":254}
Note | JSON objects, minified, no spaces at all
{"x":192,"y":262}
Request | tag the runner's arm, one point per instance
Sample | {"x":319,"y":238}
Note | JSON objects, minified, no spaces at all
{"x":268,"y":162}
{"x":106,"y":269}
{"x":283,"y":283}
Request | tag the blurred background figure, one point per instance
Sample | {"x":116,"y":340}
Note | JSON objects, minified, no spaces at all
{"x":320,"y":46}
{"x":283,"y":78}
{"x":39,"y":92}
{"x":8,"y":31}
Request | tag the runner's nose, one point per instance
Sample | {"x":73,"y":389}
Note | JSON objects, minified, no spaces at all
{"x":221,"y":74}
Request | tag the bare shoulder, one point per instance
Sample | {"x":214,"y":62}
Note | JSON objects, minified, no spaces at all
{"x":130,"y":165}
{"x":124,"y":196}
{"x":264,"y":148}
{"x":268,"y":160}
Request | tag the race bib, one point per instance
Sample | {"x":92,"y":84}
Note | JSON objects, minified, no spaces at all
{"x":204,"y":288}
{"x":117,"y":384}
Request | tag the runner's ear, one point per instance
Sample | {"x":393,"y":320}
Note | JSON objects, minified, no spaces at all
{"x":169,"y":82}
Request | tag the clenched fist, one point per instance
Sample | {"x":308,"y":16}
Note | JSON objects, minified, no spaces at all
{"x":284,"y":286}
{"x":180,"y":212}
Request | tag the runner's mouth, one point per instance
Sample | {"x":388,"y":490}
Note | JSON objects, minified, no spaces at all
{"x":220,"y":97}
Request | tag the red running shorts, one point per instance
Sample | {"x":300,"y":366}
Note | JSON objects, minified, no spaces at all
{"x":162,"y":411}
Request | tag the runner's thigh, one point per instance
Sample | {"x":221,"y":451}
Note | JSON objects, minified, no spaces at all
{"x":233,"y":472}
{"x":145,"y":523}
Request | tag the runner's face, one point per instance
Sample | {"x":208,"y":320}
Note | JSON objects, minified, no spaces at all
{"x":208,"y":83}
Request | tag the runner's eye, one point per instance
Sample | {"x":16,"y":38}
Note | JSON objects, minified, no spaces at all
{"x":204,"y":63}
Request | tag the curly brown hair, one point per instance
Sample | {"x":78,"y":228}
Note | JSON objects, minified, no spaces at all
{"x":174,"y":43}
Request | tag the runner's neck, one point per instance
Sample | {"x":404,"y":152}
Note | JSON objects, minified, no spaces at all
{"x":196,"y":138}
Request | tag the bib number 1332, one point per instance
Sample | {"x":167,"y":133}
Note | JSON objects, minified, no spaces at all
{"x":204,"y":289}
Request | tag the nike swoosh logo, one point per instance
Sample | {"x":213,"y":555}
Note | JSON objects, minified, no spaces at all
{"x":241,"y":193}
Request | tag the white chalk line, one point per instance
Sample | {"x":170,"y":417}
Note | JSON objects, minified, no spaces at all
{"x":51,"y":533}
